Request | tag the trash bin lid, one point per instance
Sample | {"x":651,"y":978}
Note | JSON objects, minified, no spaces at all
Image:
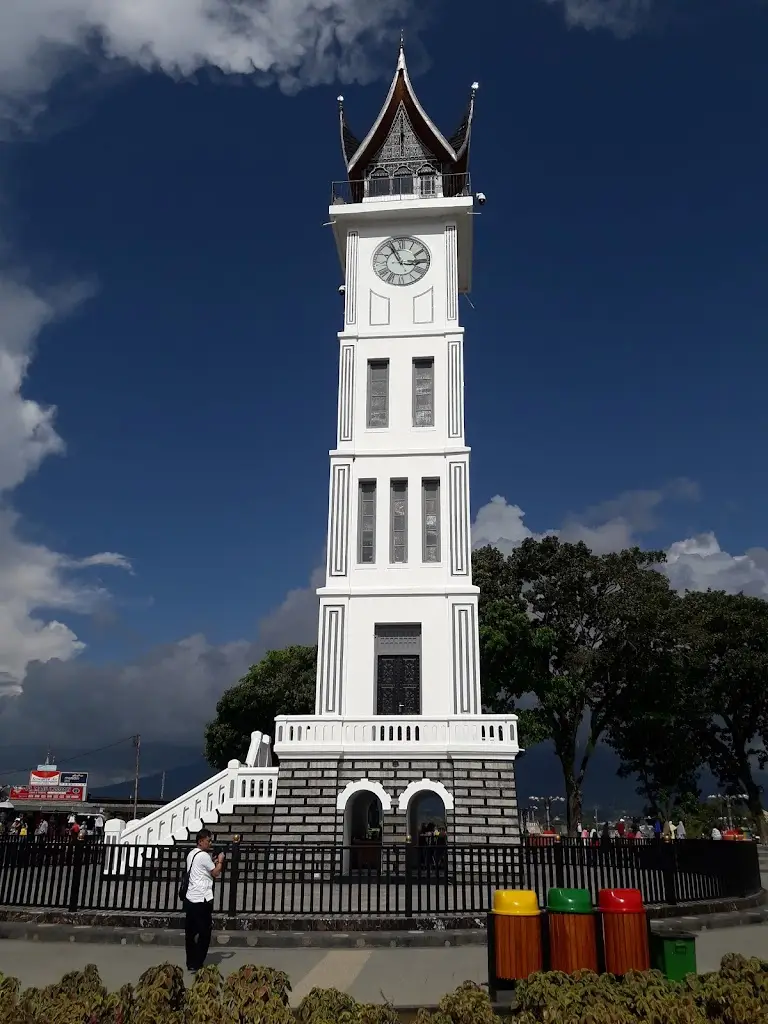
{"x":674,"y":935}
{"x":569,"y":901}
{"x":620,"y":901}
{"x":516,"y":903}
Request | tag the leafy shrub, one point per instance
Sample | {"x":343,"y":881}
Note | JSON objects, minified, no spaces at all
{"x":330,"y":1006}
{"x":160,"y":996}
{"x":256,"y":994}
{"x":736,"y":994}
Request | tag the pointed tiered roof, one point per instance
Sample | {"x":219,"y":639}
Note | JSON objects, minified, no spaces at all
{"x":404,"y":135}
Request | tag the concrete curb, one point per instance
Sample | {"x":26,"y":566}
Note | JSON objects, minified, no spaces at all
{"x":105,"y":935}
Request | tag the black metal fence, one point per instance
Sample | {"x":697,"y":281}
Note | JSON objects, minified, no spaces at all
{"x":303,"y":879}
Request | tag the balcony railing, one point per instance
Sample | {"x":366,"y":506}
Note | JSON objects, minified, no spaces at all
{"x":481,"y":735}
{"x":416,"y":186}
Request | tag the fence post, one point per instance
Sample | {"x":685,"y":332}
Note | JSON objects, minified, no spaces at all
{"x":669,"y":871}
{"x":409,"y":853}
{"x":559,"y":858}
{"x":75,"y":878}
{"x":233,"y":870}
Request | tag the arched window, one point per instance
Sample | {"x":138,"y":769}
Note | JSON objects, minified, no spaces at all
{"x":402,"y":184}
{"x":378,"y":182}
{"x":427,"y":181}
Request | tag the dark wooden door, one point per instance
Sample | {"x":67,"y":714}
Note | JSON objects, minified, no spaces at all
{"x":398,"y":685}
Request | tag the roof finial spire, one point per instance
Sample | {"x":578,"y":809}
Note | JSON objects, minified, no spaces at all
{"x":401,"y":53}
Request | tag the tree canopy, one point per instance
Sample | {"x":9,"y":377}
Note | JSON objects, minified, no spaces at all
{"x":727,"y":669}
{"x":571,"y":632}
{"x":282,"y":683}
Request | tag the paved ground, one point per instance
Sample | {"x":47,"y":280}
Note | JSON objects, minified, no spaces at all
{"x":405,"y":977}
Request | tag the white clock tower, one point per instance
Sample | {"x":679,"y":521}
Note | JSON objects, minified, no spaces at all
{"x":398,"y":722}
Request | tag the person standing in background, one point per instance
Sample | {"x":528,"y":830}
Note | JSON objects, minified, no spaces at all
{"x":198,"y":903}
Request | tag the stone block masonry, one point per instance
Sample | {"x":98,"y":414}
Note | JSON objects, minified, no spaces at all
{"x":305,"y":803}
{"x":484,"y":792}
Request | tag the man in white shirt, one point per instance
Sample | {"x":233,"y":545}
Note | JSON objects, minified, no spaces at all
{"x":198,"y":906}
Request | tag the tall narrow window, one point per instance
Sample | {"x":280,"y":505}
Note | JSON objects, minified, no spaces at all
{"x":427,"y":182}
{"x":398,"y":521}
{"x":402,"y":183}
{"x":378,"y":183}
{"x":423,"y":392}
{"x":378,"y":393}
{"x":430,"y":520}
{"x":366,"y":530}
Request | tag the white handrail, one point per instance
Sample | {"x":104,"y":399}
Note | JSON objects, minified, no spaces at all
{"x":238,"y":785}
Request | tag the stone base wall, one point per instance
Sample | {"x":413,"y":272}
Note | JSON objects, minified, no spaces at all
{"x":252,"y":824}
{"x":305,"y":803}
{"x":484,"y":792}
{"x":485,"y":795}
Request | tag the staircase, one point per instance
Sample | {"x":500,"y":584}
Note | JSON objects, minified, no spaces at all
{"x":237,"y":801}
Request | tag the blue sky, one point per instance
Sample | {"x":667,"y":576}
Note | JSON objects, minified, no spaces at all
{"x":168,"y":285}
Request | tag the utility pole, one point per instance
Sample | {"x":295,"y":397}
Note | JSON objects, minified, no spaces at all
{"x":137,"y":744}
{"x":162,"y":786}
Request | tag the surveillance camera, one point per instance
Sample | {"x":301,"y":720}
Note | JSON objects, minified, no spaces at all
{"x":480,"y":198}
{"x":342,"y":289}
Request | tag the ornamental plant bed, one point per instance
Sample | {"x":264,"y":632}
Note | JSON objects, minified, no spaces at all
{"x":736,"y":994}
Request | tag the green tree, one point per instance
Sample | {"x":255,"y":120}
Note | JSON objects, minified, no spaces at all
{"x":283,"y":683}
{"x":659,"y":747}
{"x":596,"y":627}
{"x":727,"y":669}
{"x":509,"y":659}
{"x":657,"y":723}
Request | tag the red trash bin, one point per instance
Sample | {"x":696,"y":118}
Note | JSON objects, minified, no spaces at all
{"x":625,"y":930}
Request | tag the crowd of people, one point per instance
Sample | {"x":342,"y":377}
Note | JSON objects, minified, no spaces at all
{"x":46,"y":827}
{"x":637,"y":829}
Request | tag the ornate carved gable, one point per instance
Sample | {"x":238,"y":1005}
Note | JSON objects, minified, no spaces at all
{"x":403,"y":148}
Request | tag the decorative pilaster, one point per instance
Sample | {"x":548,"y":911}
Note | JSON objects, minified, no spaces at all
{"x":330,"y":660}
{"x":458,"y":511}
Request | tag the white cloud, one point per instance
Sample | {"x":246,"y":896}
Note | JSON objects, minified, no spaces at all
{"x":292,"y":42}
{"x":699,"y":563}
{"x":622,"y":17}
{"x":696,"y":563}
{"x":34,"y":580}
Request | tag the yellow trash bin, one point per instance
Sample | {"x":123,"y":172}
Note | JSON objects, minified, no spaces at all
{"x":516,"y":934}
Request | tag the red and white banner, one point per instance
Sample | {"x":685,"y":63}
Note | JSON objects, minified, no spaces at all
{"x":41,"y":777}
{"x":71,"y":794}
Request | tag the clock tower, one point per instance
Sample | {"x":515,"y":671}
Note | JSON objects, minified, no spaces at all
{"x":398,"y":735}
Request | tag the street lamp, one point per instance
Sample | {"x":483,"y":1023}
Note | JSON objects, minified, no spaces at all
{"x":547,"y":802}
{"x":728,"y":802}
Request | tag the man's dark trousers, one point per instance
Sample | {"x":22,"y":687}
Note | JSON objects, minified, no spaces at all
{"x":197,"y":932}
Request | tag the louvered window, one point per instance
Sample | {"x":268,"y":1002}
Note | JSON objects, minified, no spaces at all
{"x":378,"y":393}
{"x":430,"y":503}
{"x":398,"y":521}
{"x":366,"y":533}
{"x":423,"y":392}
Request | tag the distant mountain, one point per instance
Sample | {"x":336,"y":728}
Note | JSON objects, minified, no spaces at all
{"x":177,"y":782}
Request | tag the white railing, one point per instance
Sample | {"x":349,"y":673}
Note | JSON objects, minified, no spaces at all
{"x":248,"y":785}
{"x":486,"y":736}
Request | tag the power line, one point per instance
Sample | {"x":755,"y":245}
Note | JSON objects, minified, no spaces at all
{"x":74,"y":757}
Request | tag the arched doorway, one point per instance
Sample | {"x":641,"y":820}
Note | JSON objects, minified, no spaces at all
{"x":363,"y":804}
{"x":427,"y":807}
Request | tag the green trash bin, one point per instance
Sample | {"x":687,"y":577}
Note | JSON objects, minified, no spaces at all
{"x":674,"y":954}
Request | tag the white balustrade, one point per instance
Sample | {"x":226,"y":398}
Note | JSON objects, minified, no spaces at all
{"x":238,"y":785}
{"x":486,"y":736}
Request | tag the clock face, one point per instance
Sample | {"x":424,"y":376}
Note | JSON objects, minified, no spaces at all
{"x":401,"y":260}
